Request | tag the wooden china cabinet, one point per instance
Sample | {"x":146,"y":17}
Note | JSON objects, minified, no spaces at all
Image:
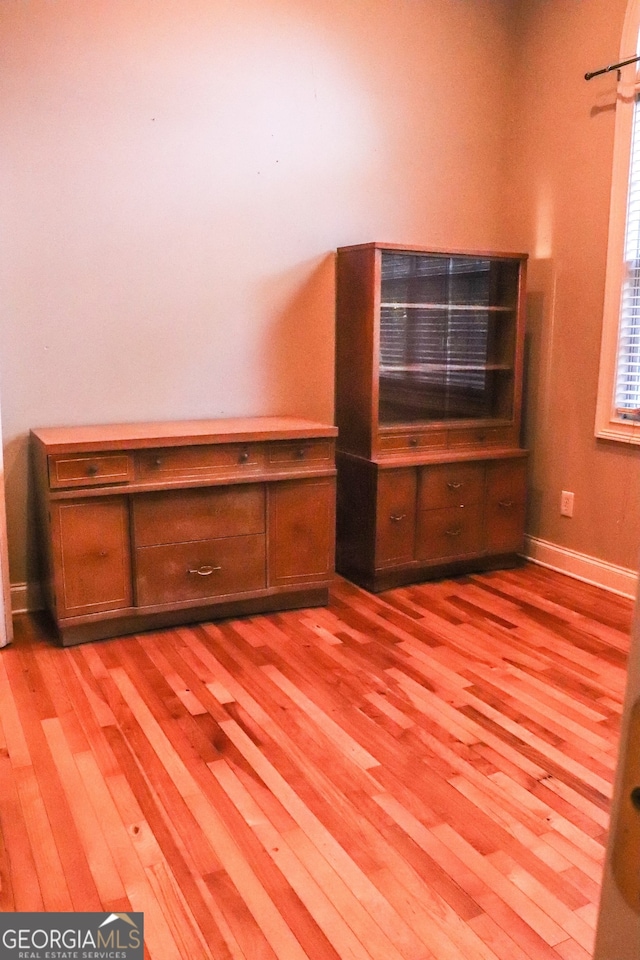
{"x":429,"y":365}
{"x":152,"y":524}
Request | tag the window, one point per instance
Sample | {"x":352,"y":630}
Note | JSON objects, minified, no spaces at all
{"x":618,"y":409}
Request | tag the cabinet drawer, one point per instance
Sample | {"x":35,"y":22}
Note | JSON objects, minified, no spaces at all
{"x":481,"y":437}
{"x":188,"y":463}
{"x":450,"y":485}
{"x":395,"y":516}
{"x":449,"y":532}
{"x":177,"y":572}
{"x":406,"y":442}
{"x":85,"y":469}
{"x":300,"y":451}
{"x":201,"y":514}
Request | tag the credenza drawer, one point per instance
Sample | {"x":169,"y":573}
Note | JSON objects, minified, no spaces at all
{"x":450,"y":485}
{"x":201,"y":514}
{"x":300,"y":452}
{"x":481,"y":437}
{"x":177,"y":572}
{"x":82,"y":470}
{"x":395,"y":443}
{"x":449,"y":532}
{"x":192,"y":462}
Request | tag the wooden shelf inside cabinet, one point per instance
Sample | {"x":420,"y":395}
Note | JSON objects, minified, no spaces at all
{"x":429,"y":367}
{"x":154,"y":524}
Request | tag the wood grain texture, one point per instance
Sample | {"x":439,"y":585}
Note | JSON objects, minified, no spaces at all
{"x":423,"y":774}
{"x":130,"y":436}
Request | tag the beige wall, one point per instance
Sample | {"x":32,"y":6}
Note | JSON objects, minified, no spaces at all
{"x":562,"y":147}
{"x":176,"y":177}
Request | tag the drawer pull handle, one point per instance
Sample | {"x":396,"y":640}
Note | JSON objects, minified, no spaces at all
{"x":507,"y":504}
{"x":397,"y":517}
{"x":244,"y":456}
{"x":92,"y":470}
{"x":413,"y":442}
{"x":455,"y":484}
{"x":454,"y":533}
{"x":157,"y":462}
{"x":205,"y":570}
{"x":300,"y":453}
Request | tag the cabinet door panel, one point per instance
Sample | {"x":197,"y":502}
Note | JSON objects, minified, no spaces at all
{"x":396,"y":514}
{"x":301,"y":531}
{"x":504,"y":521}
{"x":505,"y":506}
{"x":506,"y":480}
{"x":91,"y":540}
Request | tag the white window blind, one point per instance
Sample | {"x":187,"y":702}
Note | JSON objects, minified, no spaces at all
{"x":435,"y":329}
{"x":627,"y":388}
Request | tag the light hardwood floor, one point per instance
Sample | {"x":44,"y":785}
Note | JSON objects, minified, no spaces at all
{"x":422,"y":774}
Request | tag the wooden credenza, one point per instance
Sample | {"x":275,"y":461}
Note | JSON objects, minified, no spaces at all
{"x":147,"y":525}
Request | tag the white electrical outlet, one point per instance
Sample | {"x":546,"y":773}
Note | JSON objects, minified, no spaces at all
{"x":566,"y":503}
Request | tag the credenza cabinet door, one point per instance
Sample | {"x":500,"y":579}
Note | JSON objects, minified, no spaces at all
{"x":505,"y":506}
{"x":395,"y":516}
{"x":301,"y":524}
{"x":90,"y":542}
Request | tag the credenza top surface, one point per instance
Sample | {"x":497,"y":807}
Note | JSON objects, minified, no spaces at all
{"x":171,"y":433}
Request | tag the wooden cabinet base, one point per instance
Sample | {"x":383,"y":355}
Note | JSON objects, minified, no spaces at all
{"x":152,"y":525}
{"x":135,"y":620}
{"x":377,"y":581}
{"x":428,"y":518}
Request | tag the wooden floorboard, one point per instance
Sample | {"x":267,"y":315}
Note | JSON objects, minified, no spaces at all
{"x":420,"y":775}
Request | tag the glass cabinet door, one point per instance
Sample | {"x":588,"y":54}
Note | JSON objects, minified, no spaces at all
{"x":447,"y":337}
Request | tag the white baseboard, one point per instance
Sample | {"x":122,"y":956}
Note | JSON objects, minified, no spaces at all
{"x":610,"y":577}
{"x":26,"y":597}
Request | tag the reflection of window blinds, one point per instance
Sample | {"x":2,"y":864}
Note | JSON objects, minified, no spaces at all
{"x":628,"y":371}
{"x":433,"y":321}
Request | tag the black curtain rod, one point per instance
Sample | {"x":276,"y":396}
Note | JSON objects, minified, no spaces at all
{"x":613,"y":66}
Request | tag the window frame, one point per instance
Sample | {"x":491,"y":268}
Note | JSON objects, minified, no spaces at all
{"x":610,"y":426}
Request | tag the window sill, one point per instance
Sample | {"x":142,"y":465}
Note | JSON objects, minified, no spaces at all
{"x":622,"y":431}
